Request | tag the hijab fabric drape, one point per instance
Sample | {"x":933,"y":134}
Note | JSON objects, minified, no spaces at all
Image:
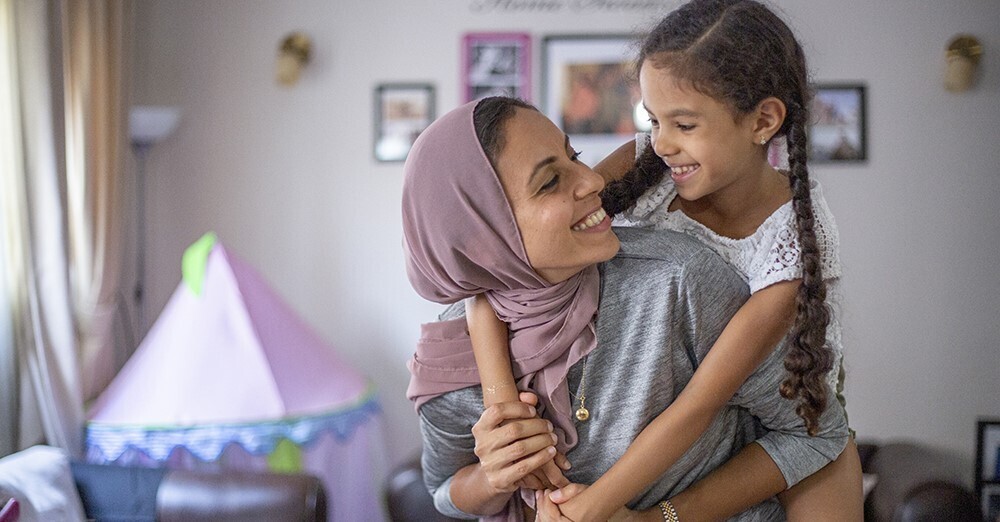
{"x":460,"y":239}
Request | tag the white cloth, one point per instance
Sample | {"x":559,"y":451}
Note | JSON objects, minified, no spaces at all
{"x":768,"y":256}
{"x":42,"y":482}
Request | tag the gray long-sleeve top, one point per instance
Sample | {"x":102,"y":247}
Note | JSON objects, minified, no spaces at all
{"x":665,"y":299}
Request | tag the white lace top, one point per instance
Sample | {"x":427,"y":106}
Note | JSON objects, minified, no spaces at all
{"x":770,"y":255}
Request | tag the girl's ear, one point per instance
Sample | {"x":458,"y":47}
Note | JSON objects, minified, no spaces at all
{"x":768,"y":117}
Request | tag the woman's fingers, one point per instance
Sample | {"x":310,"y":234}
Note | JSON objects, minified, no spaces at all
{"x":562,"y":462}
{"x":554,"y":475}
{"x":516,"y":471}
{"x":501,"y":412}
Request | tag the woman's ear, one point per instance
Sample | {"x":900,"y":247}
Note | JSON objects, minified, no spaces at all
{"x":768,"y":118}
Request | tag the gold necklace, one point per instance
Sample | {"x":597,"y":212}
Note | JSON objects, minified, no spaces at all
{"x":582,"y":413}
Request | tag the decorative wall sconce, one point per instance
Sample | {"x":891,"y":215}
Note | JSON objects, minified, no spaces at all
{"x":293,"y":55}
{"x":961,"y":62}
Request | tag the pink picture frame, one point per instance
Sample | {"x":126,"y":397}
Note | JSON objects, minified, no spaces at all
{"x":496,"y":64}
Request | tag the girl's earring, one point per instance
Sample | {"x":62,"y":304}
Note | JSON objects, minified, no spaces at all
{"x":763,"y":140}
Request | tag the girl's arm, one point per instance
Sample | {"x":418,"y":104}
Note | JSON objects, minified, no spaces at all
{"x":492,"y":351}
{"x":751,"y":477}
{"x":749,"y":337}
{"x":616,"y":164}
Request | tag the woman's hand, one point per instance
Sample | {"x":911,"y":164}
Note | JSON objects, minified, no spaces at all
{"x":511,"y":443}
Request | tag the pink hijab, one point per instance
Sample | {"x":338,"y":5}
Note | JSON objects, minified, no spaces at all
{"x":460,"y":239}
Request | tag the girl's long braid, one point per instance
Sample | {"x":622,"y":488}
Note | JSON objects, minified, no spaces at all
{"x":809,"y":359}
{"x":646,"y":172}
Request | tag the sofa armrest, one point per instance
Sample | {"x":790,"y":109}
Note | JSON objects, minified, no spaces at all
{"x":917,"y":483}
{"x":149,"y":494}
{"x":191,"y":496}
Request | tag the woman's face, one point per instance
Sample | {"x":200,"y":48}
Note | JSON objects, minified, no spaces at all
{"x":554,"y":198}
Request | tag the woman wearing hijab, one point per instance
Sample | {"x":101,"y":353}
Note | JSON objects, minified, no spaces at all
{"x":493,"y":201}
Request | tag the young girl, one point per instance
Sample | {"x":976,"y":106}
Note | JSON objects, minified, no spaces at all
{"x":721,"y":79}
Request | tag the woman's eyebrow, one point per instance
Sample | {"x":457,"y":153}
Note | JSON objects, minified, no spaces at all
{"x":544,"y":163}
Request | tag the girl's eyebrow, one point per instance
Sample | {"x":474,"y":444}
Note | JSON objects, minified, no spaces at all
{"x":544,"y":163}
{"x":676,"y":112}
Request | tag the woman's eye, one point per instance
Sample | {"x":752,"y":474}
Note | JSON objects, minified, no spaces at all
{"x":684,"y":127}
{"x":576,"y":155}
{"x":654,"y":122}
{"x":550,"y":184}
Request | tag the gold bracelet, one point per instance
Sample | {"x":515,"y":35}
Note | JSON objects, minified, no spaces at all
{"x":669,"y":513}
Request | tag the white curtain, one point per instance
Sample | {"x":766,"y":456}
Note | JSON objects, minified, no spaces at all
{"x":62,"y":155}
{"x":34,"y":202}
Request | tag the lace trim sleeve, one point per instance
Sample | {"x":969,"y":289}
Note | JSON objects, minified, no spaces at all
{"x":782,"y":261}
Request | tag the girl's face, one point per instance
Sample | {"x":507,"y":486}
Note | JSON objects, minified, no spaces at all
{"x":554,"y":198}
{"x":708,"y":150}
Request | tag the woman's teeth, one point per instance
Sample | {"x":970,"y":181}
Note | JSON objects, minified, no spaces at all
{"x":592,"y":220}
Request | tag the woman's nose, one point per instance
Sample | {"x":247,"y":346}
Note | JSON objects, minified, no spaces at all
{"x":589,"y":182}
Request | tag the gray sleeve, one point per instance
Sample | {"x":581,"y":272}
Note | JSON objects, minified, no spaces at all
{"x":448,"y":444}
{"x":796,"y":454}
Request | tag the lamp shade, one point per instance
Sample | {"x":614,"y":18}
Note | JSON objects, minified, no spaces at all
{"x":148,"y":124}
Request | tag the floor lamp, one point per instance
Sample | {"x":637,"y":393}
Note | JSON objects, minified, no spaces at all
{"x":147,"y":126}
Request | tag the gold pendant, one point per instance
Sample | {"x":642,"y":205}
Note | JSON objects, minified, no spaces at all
{"x":582,"y":414}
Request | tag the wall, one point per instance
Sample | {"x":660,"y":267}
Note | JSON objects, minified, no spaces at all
{"x":286,"y":177}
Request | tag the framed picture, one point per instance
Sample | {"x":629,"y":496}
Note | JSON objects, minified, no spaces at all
{"x":496,"y":64}
{"x":837,"y":132}
{"x":988,"y":467}
{"x":402,"y":111}
{"x":991,"y":502}
{"x":589,"y":91}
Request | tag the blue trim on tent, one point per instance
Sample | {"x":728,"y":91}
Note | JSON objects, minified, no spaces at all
{"x":207,"y":441}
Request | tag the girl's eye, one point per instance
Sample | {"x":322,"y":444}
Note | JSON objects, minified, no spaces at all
{"x":551,"y":184}
{"x":654,"y":122}
{"x":684,"y":127}
{"x":576,"y":155}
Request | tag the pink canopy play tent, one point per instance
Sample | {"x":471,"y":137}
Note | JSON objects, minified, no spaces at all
{"x":230,"y":377}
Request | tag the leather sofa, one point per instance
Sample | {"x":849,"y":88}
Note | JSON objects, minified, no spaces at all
{"x":133,"y":493}
{"x":42,"y":484}
{"x":915,"y":483}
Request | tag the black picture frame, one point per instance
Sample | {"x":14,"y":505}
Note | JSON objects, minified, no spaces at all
{"x":988,"y":467}
{"x":402,"y":112}
{"x":838,"y":130}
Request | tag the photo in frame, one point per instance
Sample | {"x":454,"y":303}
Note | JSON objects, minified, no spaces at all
{"x":837,"y":132}
{"x":496,"y":64}
{"x":988,"y":467}
{"x":590,"y":92}
{"x":402,"y":112}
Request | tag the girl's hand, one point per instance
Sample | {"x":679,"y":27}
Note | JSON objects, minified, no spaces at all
{"x":512,"y":442}
{"x":546,"y":510}
{"x":573,"y":504}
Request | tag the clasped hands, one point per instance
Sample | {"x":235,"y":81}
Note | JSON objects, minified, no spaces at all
{"x":516,"y":449}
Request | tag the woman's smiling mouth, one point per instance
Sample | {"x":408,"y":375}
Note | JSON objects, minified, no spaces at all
{"x":594,"y":219}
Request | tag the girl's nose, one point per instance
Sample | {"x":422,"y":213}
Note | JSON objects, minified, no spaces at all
{"x":663,"y":145}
